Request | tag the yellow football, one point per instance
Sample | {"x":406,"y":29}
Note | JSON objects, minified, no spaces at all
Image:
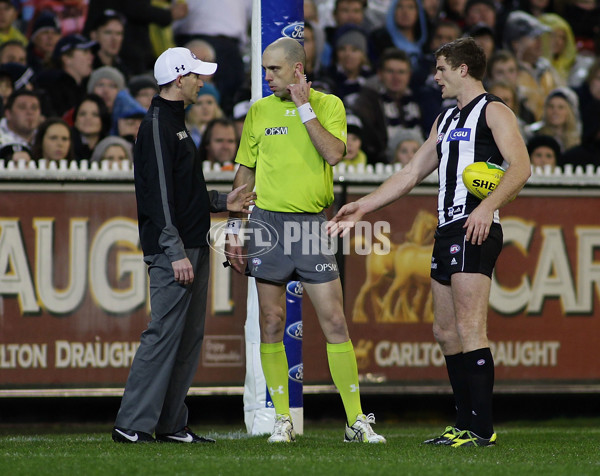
{"x":481,"y":178}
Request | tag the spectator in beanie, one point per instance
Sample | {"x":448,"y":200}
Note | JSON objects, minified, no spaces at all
{"x":207,"y":108}
{"x":127,"y":116}
{"x":106,"y":82}
{"x":354,"y":153}
{"x":143,"y":88}
{"x":543,"y":150}
{"x":15,"y":153}
{"x":404,"y":146}
{"x":113,"y":149}
{"x":350,"y":68}
{"x":19,"y":74}
{"x":560,"y":119}
{"x":45,"y":33}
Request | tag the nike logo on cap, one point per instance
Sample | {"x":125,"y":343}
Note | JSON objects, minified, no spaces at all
{"x":133,"y":438}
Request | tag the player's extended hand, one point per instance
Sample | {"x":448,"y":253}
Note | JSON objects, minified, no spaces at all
{"x":234,"y":251}
{"x":238,"y":201}
{"x":344,"y":220}
{"x":183,"y":271}
{"x":300,"y":91}
{"x":478,"y":224}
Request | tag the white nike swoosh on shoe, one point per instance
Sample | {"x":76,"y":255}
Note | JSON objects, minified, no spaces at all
{"x":133,"y":439}
{"x":187,"y":439}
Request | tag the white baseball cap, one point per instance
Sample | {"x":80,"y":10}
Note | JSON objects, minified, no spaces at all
{"x":179,"y":62}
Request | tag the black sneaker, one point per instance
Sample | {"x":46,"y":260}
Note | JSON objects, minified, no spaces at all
{"x":183,"y":436}
{"x":468,"y":438}
{"x":121,"y":435}
{"x":446,"y":438}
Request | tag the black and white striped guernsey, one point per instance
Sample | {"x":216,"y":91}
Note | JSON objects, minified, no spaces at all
{"x":463,"y":138}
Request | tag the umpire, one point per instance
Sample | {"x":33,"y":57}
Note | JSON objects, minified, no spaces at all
{"x":174,"y":219}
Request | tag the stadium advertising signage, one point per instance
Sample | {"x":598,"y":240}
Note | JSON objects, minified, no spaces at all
{"x":74,"y":293}
{"x":544,"y":307}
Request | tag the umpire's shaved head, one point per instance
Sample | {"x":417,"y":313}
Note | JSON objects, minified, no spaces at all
{"x":294,"y":52}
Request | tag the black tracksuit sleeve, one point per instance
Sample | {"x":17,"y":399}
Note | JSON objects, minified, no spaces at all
{"x":158,"y":198}
{"x":218,"y":201}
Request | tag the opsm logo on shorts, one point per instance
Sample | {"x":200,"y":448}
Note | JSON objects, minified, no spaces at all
{"x":326,"y":267}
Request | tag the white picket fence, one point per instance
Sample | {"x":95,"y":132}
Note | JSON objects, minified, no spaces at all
{"x":123,"y":171}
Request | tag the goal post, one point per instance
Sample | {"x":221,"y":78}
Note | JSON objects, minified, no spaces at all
{"x":272,"y":19}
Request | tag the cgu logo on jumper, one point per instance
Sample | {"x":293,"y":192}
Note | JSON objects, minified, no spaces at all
{"x":459,"y":134}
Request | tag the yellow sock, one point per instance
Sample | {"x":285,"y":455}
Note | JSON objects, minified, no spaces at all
{"x":275,"y":367}
{"x":344,"y":372}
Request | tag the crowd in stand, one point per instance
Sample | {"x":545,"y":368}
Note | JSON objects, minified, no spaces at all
{"x":76,"y":75}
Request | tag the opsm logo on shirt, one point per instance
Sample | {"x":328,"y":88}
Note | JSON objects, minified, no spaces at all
{"x":459,"y":134}
{"x":276,"y":131}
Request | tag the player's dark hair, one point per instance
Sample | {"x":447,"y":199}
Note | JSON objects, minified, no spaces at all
{"x":464,"y":51}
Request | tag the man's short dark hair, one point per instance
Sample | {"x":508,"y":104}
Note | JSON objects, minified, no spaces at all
{"x":464,"y":51}
{"x":390,"y":54}
{"x":21,"y":92}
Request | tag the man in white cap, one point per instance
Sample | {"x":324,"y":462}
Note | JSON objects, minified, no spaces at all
{"x":174,"y":219}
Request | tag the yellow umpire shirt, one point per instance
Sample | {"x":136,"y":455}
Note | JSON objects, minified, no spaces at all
{"x":291,"y":176}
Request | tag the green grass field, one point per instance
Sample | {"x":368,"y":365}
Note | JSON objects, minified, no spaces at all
{"x":555,"y":447}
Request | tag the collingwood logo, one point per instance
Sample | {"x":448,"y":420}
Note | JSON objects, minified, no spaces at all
{"x":276,"y":131}
{"x":182,"y":135}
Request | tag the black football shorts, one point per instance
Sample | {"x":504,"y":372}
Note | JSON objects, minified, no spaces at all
{"x":452,"y":253}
